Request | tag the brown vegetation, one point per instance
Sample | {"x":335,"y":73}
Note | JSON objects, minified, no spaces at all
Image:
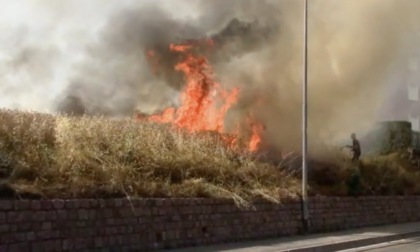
{"x":99,"y":157}
{"x":63,"y":157}
{"x":391,"y":174}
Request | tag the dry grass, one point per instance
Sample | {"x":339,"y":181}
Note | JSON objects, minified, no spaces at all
{"x":98,"y":157}
{"x":391,"y":174}
{"x":64,"y":157}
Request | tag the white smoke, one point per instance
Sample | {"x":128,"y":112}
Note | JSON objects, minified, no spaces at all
{"x":44,"y":41}
{"x":96,"y":48}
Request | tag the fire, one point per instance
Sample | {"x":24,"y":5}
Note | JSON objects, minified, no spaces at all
{"x":204,"y":103}
{"x":179,"y":48}
{"x":199,"y":110}
{"x":257,"y":130}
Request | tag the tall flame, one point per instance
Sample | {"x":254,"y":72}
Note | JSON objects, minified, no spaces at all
{"x":198,"y":110}
{"x":204,"y":102}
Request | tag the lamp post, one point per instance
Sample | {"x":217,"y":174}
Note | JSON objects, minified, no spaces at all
{"x":305,"y":210}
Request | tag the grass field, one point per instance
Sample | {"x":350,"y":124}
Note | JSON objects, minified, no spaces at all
{"x":65,"y":157}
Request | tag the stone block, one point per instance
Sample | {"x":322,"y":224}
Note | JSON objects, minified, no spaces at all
{"x":83,"y":214}
{"x":6,"y":205}
{"x":39,"y":216}
{"x":46,"y":204}
{"x":22,"y":205}
{"x":58,"y":204}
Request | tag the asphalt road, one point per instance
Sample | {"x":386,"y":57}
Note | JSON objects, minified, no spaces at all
{"x":409,"y":245}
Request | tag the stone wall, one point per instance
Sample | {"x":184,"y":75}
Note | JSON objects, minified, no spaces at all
{"x":145,"y":224}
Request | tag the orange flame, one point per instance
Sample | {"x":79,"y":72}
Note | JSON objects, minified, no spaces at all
{"x":255,"y":142}
{"x":179,"y":48}
{"x":198,"y":110}
{"x":204,"y":102}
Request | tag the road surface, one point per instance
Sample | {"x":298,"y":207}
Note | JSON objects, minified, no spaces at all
{"x":409,"y":245}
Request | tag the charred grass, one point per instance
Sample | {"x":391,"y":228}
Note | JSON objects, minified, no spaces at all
{"x":93,"y":157}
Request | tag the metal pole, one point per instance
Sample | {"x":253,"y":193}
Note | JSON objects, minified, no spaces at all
{"x":305,"y":210}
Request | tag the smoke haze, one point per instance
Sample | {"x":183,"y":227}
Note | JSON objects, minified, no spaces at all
{"x":79,"y":56}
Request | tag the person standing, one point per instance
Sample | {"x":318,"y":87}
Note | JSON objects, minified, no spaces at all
{"x":355,"y":148}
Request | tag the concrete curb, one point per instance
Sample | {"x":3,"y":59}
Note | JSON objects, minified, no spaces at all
{"x":352,"y":244}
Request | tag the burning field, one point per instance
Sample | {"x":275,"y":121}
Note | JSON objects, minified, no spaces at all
{"x":201,"y":102}
{"x":183,"y":151}
{"x":204,"y":103}
{"x":65,"y":157}
{"x":49,"y":156}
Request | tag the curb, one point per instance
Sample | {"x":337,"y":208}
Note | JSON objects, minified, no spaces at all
{"x":352,"y":244}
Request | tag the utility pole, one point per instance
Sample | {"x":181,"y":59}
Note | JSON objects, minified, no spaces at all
{"x":305,"y":210}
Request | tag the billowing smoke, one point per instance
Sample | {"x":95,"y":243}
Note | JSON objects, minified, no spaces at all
{"x":355,"y":47}
{"x":78,"y":57}
{"x":120,"y":60}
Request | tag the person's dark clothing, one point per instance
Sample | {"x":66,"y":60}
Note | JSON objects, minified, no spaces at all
{"x":356,"y":150}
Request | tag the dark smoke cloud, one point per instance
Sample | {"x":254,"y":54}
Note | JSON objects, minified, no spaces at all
{"x":118,"y":69}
